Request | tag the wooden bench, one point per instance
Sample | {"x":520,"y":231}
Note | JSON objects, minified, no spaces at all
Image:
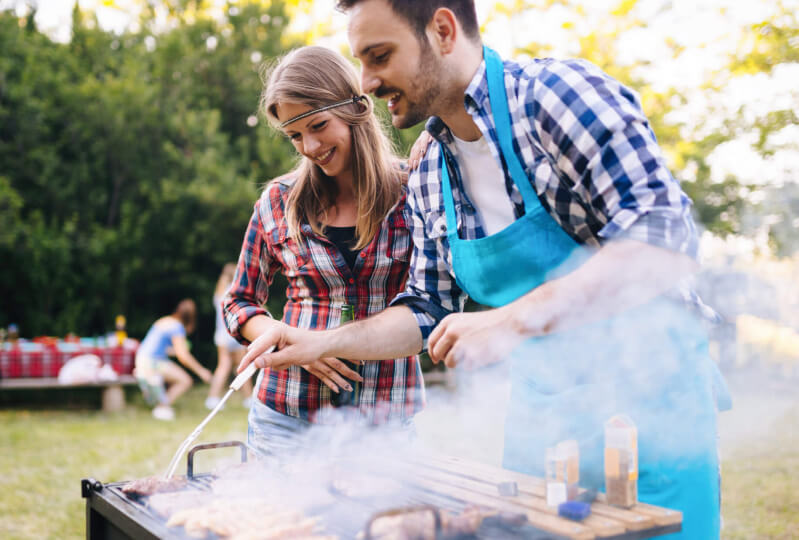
{"x":113,"y":393}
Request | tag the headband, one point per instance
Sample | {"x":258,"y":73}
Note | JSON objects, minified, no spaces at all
{"x":351,"y":101}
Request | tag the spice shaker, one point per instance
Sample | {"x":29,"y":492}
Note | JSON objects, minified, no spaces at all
{"x":562,"y":472}
{"x":621,"y":461}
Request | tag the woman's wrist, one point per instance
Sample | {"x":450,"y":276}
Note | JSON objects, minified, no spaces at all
{"x":258,"y":325}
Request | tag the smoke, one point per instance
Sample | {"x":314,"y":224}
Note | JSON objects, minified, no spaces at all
{"x":757,"y":345}
{"x":466,"y":416}
{"x":643,"y":364}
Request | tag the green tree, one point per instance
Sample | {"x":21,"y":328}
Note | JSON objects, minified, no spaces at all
{"x":603,"y":37}
{"x":130,"y":163}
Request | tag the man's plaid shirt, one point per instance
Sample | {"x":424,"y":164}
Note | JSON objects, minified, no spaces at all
{"x":319,"y":283}
{"x":588,"y":151}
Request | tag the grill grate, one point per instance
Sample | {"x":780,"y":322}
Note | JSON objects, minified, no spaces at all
{"x":346,"y":519}
{"x":449,"y":484}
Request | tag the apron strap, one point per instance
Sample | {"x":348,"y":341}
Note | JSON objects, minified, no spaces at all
{"x":446,"y":194}
{"x":498,"y":98}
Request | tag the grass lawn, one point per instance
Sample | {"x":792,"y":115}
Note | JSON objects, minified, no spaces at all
{"x":44,"y":453}
{"x":760,"y":460}
{"x":760,"y":496}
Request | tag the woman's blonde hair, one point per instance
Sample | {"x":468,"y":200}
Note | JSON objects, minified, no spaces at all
{"x":225,"y":279}
{"x":316,"y":76}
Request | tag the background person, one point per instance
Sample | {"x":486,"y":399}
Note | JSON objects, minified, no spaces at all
{"x":546,"y":197}
{"x":154,"y":369}
{"x":337,"y":228}
{"x":229,"y":351}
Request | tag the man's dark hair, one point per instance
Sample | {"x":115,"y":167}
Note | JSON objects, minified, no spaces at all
{"x":419,"y":12}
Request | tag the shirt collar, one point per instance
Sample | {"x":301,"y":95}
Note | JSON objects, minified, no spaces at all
{"x":473,"y":99}
{"x":477,"y":91}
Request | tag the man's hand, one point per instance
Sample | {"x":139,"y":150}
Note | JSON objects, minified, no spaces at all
{"x":393,"y":333}
{"x":473,"y":340}
{"x":294,"y":347}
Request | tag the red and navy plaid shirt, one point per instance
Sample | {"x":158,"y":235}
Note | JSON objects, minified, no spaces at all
{"x":319,"y":283}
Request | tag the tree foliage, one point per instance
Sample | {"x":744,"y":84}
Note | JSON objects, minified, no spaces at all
{"x":723,"y":205}
{"x":130,"y":164}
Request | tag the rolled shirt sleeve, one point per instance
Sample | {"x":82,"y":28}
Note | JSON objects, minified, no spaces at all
{"x":250,"y":289}
{"x":431,"y":291}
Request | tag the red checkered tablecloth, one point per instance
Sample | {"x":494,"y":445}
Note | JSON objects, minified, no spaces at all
{"x":47,"y":361}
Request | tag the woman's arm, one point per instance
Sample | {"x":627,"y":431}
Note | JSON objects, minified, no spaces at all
{"x":331,"y":371}
{"x":187,"y":359}
{"x":249,"y":291}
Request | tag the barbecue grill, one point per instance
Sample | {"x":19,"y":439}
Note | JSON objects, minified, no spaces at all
{"x":436,"y":482}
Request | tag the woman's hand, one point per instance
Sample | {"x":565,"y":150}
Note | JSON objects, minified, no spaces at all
{"x":419,"y":149}
{"x":332,"y":372}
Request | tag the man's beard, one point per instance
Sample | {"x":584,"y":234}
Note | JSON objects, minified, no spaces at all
{"x":427,"y":87}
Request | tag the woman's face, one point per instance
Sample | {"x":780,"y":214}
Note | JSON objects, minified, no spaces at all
{"x":323,"y":137}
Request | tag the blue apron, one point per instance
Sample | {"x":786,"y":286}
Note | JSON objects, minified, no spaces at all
{"x":649,"y":362}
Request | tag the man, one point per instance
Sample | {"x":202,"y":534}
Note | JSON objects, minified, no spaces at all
{"x":546,"y":197}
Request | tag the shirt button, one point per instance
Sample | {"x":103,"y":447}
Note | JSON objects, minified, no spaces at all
{"x":351,"y":280}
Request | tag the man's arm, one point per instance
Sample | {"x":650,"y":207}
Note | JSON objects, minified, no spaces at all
{"x":393,"y":333}
{"x":622,"y":275}
{"x":619,"y":276}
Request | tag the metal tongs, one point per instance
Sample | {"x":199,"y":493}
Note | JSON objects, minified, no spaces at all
{"x":237,"y":383}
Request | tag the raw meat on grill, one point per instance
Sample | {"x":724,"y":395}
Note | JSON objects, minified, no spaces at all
{"x":419,"y":525}
{"x":154,"y":484}
{"x":464,"y":524}
{"x":244,"y":518}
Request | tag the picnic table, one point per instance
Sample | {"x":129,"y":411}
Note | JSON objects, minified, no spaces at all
{"x":29,"y":365}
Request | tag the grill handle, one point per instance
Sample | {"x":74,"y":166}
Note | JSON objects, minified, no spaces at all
{"x":208,"y":446}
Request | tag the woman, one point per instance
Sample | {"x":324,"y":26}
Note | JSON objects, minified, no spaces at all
{"x":229,"y":351}
{"x":336,"y":228}
{"x":166,"y":336}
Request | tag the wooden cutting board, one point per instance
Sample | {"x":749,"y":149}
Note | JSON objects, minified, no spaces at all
{"x":477,"y":483}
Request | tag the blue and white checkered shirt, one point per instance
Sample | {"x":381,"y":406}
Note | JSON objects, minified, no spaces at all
{"x":588,"y":151}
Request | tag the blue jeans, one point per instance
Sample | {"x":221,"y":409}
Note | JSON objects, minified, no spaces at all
{"x":270,"y":433}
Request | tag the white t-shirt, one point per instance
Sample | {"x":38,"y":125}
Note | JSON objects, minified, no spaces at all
{"x":484,"y":182}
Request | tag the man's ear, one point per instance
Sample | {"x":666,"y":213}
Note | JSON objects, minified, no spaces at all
{"x":443,"y":30}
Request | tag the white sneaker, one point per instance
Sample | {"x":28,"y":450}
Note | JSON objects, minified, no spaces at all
{"x":211,"y":402}
{"x":164,"y":412}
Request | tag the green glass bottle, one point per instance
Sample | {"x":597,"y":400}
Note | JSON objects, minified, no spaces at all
{"x":344,"y":397}
{"x":347,"y":313}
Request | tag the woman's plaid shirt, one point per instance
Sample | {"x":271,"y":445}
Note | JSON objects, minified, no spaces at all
{"x":319,"y":283}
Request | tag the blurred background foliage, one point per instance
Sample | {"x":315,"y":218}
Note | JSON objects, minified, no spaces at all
{"x":130,"y":161}
{"x":130,"y":164}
